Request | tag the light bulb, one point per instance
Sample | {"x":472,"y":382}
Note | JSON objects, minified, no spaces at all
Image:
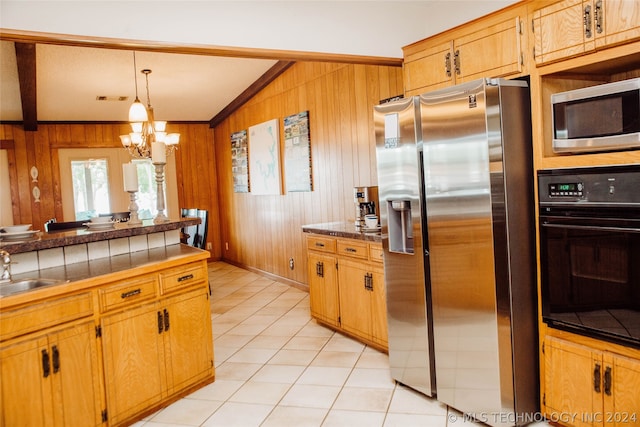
{"x":138,"y":112}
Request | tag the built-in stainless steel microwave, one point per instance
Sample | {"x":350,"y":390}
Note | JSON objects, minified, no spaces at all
{"x":605,"y":117}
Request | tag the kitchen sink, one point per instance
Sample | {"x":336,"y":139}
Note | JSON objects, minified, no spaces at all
{"x":23,"y":285}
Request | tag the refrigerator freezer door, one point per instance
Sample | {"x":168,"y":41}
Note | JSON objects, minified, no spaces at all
{"x":473,"y":266}
{"x":399,"y":186}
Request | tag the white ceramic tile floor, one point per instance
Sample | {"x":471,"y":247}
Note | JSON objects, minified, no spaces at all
{"x":275,"y":366}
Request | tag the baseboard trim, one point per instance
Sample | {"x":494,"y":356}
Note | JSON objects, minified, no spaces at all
{"x":285,"y":280}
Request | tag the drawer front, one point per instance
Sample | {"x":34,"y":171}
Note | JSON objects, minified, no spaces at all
{"x":128,"y":292}
{"x":182,"y":277}
{"x":321,"y":244}
{"x":375,"y":253}
{"x":353,"y":248}
{"x":44,"y":315}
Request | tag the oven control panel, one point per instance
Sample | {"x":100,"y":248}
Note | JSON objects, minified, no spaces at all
{"x":565,"y":189}
{"x":603,"y":185}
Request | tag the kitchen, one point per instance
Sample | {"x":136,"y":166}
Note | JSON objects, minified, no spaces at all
{"x":279,"y":238}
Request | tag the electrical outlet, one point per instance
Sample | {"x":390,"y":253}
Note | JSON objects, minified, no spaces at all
{"x":208,"y":246}
{"x":226,"y":246}
{"x":291,"y":263}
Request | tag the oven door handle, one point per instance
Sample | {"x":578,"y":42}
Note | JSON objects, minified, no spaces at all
{"x":592,"y":228}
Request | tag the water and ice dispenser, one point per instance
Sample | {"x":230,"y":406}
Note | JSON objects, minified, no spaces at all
{"x":400,"y":229}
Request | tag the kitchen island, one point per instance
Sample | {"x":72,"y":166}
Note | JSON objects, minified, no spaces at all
{"x":116,"y":337}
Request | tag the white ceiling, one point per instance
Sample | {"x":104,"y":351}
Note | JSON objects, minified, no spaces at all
{"x":188,"y":87}
{"x":181,"y":87}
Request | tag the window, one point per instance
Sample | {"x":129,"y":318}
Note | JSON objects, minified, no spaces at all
{"x":95,"y":176}
{"x":90,"y":188}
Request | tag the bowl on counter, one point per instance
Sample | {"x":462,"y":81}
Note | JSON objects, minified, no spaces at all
{"x":18,"y":228}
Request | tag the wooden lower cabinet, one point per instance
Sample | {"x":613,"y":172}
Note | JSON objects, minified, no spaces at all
{"x":119,"y":350}
{"x":134,"y":358}
{"x":362,"y":300}
{"x":589,"y":387}
{"x":346,"y":287}
{"x":323,"y":288}
{"x":188,"y":339}
{"x":51,"y":379}
{"x":154,"y":351}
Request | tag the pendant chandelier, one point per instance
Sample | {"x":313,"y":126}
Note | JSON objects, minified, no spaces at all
{"x":146,"y":131}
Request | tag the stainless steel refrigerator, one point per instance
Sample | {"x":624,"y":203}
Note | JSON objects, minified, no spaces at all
{"x":406,"y":263}
{"x":455,"y":186}
{"x":479,"y":212}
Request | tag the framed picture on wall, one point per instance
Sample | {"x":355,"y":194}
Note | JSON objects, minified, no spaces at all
{"x":264,"y":158}
{"x":297,"y":152}
{"x":239,"y":162}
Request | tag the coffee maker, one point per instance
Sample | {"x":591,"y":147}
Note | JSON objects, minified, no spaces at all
{"x":366,"y":200}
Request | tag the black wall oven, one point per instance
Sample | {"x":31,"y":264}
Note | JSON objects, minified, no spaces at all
{"x":590,"y":251}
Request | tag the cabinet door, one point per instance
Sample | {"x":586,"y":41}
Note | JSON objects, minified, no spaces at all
{"x":616,"y":21}
{"x":355,"y":299}
{"x":572,"y":383}
{"x":621,"y":386}
{"x":323,"y":288}
{"x":74,"y":367}
{"x":133,"y":360}
{"x":25,"y":390}
{"x":493,"y":51}
{"x":575,"y":18}
{"x":429,"y":69}
{"x":188,"y":339}
{"x":378,"y":309}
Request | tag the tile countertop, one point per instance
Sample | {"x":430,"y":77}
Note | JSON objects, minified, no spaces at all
{"x":46,"y":240}
{"x":342,"y":229}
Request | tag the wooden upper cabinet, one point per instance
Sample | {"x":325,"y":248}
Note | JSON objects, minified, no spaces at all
{"x":616,"y":21}
{"x":494,"y":51}
{"x":429,"y":67}
{"x":559,"y":30}
{"x":573,"y":27}
{"x":492,"y":46}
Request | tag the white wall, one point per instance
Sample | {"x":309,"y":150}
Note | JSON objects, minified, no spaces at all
{"x":370,"y":28}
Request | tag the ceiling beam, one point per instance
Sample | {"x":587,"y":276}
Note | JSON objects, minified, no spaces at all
{"x":262,"y":82}
{"x":193,"y":49}
{"x":26,"y":59}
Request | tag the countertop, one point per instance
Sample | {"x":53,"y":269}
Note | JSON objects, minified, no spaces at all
{"x":85,"y":275}
{"x":44,"y":240}
{"x":343,"y":229}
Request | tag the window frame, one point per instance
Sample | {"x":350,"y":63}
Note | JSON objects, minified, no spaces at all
{"x":119,"y":199}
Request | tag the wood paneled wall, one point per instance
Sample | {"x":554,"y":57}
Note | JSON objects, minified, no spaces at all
{"x":195,"y":167}
{"x":264,"y":232}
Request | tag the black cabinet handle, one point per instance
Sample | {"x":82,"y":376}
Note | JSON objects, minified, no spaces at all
{"x":607,"y":381}
{"x":166,"y":320}
{"x":46,"y":367}
{"x":160,"y":322}
{"x":185,"y":277}
{"x":320,"y":269}
{"x":130,"y":293}
{"x":320,"y":245}
{"x":55,"y":357}
{"x":596,"y":378}
{"x":350,"y":250}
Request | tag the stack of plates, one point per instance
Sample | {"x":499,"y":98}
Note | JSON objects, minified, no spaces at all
{"x":17,"y":232}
